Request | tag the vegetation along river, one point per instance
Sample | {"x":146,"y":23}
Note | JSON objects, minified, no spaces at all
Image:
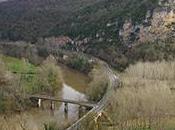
{"x":73,"y":88}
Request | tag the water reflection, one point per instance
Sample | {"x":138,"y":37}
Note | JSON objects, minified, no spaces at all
{"x":73,"y":110}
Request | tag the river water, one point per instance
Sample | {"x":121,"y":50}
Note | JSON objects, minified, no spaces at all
{"x":73,"y":88}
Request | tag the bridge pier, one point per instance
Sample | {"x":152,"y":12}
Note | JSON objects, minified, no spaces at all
{"x":52,"y":105}
{"x":65,"y":108}
{"x":39,"y":102}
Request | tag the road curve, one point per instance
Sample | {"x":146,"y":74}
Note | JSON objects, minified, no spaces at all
{"x":87,"y":119}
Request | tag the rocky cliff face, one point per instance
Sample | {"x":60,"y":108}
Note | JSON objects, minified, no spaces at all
{"x":158,"y":24}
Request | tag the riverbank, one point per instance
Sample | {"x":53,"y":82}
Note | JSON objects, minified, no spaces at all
{"x":74,"y":87}
{"x":79,"y":61}
{"x":36,"y":53}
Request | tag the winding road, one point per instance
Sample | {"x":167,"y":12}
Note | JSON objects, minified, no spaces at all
{"x":86,"y":120}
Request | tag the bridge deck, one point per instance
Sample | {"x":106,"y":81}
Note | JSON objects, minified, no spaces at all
{"x":81,"y":103}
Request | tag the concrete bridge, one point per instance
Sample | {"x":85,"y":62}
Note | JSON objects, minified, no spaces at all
{"x":40,"y":99}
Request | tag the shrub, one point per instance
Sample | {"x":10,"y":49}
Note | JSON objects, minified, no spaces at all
{"x":50,"y":126}
{"x":9,"y":90}
{"x":98,"y":84}
{"x":14,"y":87}
{"x":153,"y":51}
{"x":49,"y":76}
{"x":146,"y":94}
{"x":81,"y":63}
{"x":154,"y":71}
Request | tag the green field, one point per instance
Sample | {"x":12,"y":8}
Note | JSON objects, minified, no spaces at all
{"x":25,"y":71}
{"x":18,"y":65}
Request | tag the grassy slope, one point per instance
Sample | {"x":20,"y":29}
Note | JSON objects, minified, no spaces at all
{"x":15,"y":86}
{"x":35,"y":79}
{"x":18,"y":65}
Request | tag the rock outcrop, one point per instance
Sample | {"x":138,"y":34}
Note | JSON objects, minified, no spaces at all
{"x":158,"y":24}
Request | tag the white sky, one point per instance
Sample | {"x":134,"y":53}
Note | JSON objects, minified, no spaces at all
{"x":2,"y":0}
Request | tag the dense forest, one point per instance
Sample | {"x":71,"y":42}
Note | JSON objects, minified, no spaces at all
{"x":119,"y":32}
{"x":98,"y":22}
{"x":30,"y":19}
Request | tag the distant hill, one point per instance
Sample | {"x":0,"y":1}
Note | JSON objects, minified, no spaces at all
{"x":117,"y":31}
{"x":29,"y":19}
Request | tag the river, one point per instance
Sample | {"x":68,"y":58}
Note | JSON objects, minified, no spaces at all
{"x":73,"y":88}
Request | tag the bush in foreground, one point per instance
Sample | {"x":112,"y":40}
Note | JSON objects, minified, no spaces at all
{"x":98,"y":85}
{"x":49,"y":76}
{"x":146,"y":96}
{"x":9,"y":90}
{"x":14,"y":87}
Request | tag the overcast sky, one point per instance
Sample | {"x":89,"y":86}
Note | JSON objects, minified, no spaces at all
{"x":2,"y":0}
